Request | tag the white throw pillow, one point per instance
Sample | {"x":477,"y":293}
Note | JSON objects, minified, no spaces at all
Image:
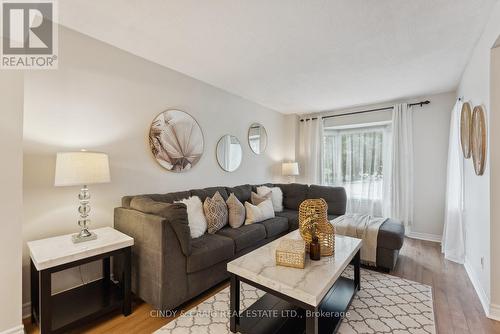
{"x":196,"y":216}
{"x":258,"y":213}
{"x":276,"y":196}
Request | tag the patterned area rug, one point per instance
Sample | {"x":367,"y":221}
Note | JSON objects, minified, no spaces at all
{"x":385,"y":304}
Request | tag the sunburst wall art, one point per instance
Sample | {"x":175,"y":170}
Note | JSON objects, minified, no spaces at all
{"x":176,"y":140}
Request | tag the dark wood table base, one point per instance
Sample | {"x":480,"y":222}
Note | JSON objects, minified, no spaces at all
{"x":72,"y":308}
{"x":277,"y":313}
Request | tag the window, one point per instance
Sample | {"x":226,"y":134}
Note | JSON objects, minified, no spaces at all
{"x":356,"y":158}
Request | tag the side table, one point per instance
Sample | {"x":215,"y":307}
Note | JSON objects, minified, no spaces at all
{"x":75,"y":307}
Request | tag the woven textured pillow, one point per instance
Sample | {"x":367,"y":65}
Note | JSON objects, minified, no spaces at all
{"x":257,"y":199}
{"x":215,"y":212}
{"x":236,"y":211}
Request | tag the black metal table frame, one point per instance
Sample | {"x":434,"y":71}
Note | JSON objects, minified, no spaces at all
{"x":41,"y":289}
{"x":311,"y":321}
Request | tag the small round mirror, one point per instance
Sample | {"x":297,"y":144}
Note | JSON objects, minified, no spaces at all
{"x":257,"y":138}
{"x":229,"y":153}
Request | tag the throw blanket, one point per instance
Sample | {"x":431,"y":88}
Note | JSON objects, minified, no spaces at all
{"x":364,"y":227}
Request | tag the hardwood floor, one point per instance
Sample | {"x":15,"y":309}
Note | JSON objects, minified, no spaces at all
{"x":456,"y":305}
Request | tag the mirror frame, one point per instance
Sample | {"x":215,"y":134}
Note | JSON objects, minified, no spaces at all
{"x":248,"y":138}
{"x":217,"y":156}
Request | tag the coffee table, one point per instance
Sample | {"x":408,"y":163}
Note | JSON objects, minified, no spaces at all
{"x":311,"y":300}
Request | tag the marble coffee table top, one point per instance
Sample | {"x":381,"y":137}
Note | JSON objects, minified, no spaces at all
{"x":308,"y":285}
{"x":51,"y":252}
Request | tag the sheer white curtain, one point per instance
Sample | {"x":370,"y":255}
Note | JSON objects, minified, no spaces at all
{"x":357,"y":159}
{"x":401,"y":187}
{"x":310,"y":150}
{"x":453,"y":244}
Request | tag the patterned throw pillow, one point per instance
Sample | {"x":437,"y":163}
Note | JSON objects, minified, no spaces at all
{"x":236,"y":211}
{"x":257,"y":199}
{"x":216,"y":212}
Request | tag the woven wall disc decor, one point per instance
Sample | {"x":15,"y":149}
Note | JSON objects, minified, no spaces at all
{"x":479,"y":140}
{"x":316,"y":210}
{"x":465,"y":129}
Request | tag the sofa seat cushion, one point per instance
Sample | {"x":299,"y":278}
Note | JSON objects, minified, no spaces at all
{"x":275,"y":226}
{"x":391,"y":235}
{"x":292,"y":216}
{"x":209,"y":250}
{"x":244,"y":236}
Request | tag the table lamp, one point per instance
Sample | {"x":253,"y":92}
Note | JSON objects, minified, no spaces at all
{"x":81,"y":169}
{"x":290,"y":169}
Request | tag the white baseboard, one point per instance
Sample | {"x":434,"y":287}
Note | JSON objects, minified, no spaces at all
{"x":492,"y":311}
{"x":424,"y":236}
{"x":14,"y":330}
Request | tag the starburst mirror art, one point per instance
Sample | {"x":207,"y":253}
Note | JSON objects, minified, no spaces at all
{"x":176,"y":140}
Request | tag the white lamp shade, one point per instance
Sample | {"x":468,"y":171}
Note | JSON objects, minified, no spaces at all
{"x":290,"y":168}
{"x":81,"y":168}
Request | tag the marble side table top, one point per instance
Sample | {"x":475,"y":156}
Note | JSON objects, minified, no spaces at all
{"x":54,"y":251}
{"x":308,"y":285}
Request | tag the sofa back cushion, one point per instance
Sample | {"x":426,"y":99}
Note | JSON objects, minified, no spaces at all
{"x":242,"y":192}
{"x":209,"y":192}
{"x":170,"y":197}
{"x":148,"y":205}
{"x":335,"y":197}
{"x":175,"y":214}
{"x":293,"y":194}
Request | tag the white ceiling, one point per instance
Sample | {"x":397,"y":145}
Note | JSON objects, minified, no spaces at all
{"x":296,"y":55}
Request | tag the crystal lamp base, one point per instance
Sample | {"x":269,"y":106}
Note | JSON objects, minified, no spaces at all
{"x":82,"y":237}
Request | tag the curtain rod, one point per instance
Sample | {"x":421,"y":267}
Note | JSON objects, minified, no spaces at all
{"x":421,"y":104}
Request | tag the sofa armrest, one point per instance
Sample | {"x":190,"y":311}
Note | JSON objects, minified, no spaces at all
{"x":158,"y":263}
{"x":147,"y":252}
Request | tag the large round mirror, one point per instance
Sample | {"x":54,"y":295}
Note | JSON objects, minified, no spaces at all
{"x":229,"y":153}
{"x":257,"y":138}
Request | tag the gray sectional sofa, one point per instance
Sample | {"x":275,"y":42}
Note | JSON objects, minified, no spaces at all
{"x":169,"y":267}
